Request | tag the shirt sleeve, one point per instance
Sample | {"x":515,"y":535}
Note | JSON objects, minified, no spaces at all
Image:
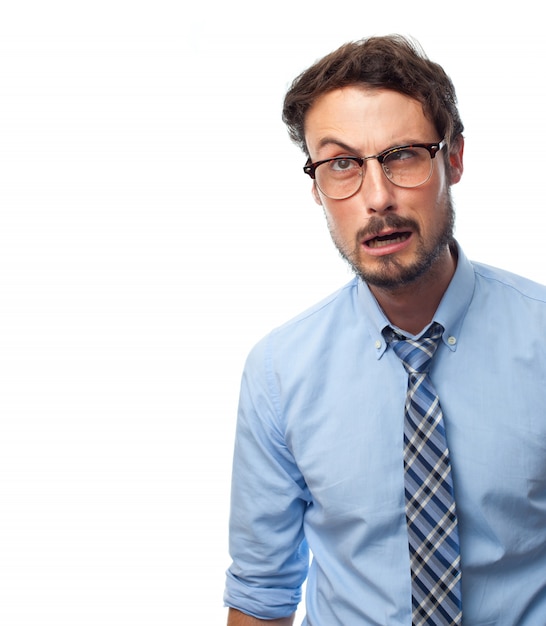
{"x":268,"y":502}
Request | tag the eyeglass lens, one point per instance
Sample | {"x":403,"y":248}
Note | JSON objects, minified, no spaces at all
{"x":405,"y":167}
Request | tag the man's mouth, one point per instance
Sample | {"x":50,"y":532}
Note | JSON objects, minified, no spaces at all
{"x":387,"y":240}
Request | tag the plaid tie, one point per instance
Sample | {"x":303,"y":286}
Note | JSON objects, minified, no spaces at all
{"x":430,"y":504}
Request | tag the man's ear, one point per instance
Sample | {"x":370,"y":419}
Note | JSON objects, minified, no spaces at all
{"x":316,"y":195}
{"x":456,"y":160}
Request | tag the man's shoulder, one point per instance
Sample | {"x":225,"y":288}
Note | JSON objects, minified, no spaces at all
{"x":325,"y":318}
{"x":324,"y":308}
{"x":515,"y":283}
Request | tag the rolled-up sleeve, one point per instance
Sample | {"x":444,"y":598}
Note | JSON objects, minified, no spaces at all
{"x":268,"y":501}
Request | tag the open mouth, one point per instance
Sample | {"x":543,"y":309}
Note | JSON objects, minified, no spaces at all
{"x":387,"y":240}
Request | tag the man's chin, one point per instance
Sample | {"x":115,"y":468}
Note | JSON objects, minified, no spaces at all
{"x":390,"y":274}
{"x":386,"y":282}
{"x":393,"y":271}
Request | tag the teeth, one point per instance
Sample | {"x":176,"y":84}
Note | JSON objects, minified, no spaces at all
{"x":380,"y":243}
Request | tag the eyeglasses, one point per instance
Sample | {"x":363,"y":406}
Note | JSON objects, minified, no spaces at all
{"x":405,"y":166}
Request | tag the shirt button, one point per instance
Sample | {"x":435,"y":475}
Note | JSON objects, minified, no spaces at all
{"x":377,"y":344}
{"x":451,"y":340}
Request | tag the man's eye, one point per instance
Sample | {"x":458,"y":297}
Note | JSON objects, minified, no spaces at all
{"x":343,"y":165}
{"x":400,"y":155}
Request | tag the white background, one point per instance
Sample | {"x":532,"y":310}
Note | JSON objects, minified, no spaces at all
{"x":154,"y":224}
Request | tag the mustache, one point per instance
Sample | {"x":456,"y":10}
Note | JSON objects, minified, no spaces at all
{"x":377,"y":225}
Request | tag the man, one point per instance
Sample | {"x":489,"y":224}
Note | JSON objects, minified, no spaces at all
{"x":418,"y":489}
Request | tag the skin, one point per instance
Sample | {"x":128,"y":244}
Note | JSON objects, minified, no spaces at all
{"x":236,"y":618}
{"x":409,"y":275}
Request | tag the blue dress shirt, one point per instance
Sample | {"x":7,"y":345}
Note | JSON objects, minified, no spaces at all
{"x":318,"y":458}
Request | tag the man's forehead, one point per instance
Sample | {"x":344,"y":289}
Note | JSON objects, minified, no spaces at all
{"x":351,"y":114}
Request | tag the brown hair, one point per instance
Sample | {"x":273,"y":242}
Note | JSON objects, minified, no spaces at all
{"x":389,"y":62}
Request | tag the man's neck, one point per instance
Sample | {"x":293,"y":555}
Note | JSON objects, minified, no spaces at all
{"x":412,"y":307}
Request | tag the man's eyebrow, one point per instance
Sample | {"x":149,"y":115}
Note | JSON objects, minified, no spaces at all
{"x":329,"y":141}
{"x":332,"y":141}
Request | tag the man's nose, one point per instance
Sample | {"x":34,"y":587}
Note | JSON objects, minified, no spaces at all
{"x":376,"y":191}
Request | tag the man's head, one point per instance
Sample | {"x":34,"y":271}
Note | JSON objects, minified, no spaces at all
{"x":372,"y":117}
{"x":391,"y":62}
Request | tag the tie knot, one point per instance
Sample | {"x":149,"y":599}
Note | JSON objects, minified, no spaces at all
{"x":416,"y":354}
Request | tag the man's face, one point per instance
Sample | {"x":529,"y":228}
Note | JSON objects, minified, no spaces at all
{"x":389,"y":235}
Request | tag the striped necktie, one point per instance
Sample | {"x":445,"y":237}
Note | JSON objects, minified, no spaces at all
{"x":430,"y":505}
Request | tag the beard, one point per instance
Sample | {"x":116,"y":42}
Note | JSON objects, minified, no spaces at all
{"x":389,"y":272}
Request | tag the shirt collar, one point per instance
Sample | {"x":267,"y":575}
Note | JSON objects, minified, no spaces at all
{"x":450,"y":313}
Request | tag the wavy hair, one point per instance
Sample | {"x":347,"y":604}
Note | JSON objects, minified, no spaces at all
{"x":389,"y":62}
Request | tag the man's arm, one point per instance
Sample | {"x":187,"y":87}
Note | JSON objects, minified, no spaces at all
{"x":236,"y":618}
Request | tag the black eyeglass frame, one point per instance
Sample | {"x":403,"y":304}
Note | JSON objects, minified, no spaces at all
{"x":432,"y":148}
